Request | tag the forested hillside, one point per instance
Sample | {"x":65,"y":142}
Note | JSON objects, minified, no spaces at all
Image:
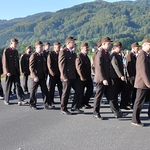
{"x":126,"y":21}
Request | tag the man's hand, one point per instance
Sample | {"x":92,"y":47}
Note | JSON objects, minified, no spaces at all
{"x":8,"y":74}
{"x":83,"y":79}
{"x":36,"y":79}
{"x":65,"y":80}
{"x":105,"y":82}
{"x":122,"y":78}
{"x":53,"y":74}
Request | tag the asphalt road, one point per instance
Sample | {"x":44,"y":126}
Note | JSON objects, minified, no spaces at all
{"x":24,"y":129}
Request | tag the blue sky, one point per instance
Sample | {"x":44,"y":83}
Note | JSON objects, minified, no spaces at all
{"x":10,"y":9}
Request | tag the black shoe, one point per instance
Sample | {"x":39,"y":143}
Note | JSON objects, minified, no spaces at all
{"x":66,"y":112}
{"x":132,"y":106}
{"x":121,"y":115}
{"x":104,"y":102}
{"x":26,"y":92}
{"x":87,"y":106}
{"x":77,"y":110}
{"x":138,"y":124}
{"x":47,"y":107}
{"x":124,"y":114}
{"x":52,"y":105}
{"x":98,"y":116}
{"x":21,"y":103}
{"x":33,"y":107}
{"x":80,"y":111}
{"x":125,"y":107}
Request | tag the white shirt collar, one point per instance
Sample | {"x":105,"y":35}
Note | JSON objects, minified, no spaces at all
{"x":71,"y":51}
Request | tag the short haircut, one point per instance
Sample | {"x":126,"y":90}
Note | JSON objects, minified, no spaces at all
{"x":47,"y":43}
{"x":117,"y":44}
{"x":28,"y":47}
{"x":106,"y":39}
{"x":69,"y":39}
{"x":57,"y":43}
{"x":14,"y":40}
{"x":38,"y":43}
{"x":85,"y":44}
{"x":136,"y":44}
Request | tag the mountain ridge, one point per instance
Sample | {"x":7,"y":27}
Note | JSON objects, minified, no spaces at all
{"x":87,"y":22}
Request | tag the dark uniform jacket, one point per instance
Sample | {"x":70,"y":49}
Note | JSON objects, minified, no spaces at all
{"x":116,"y":68}
{"x":102,"y":66}
{"x":131,"y":64}
{"x":24,"y":60}
{"x":52,"y":63}
{"x":83,"y":66}
{"x":1,"y":67}
{"x":66,"y":62}
{"x":45,"y":54}
{"x":10,"y":61}
{"x":142,"y":78}
{"x":37,"y":66}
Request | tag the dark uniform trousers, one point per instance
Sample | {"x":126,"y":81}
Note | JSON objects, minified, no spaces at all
{"x":76,"y":85}
{"x":52,"y":83}
{"x":132,"y":92}
{"x":148,"y":100}
{"x":19,"y":91}
{"x":25,"y":82}
{"x":1,"y":72}
{"x":101,"y":90}
{"x":141,"y":96}
{"x":1,"y":89}
{"x":47,"y":76}
{"x":24,"y":61}
{"x":34,"y":87}
{"x":131,"y":72}
{"x":88,"y":84}
{"x":149,"y":110}
{"x":124,"y":88}
{"x":11,"y":65}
